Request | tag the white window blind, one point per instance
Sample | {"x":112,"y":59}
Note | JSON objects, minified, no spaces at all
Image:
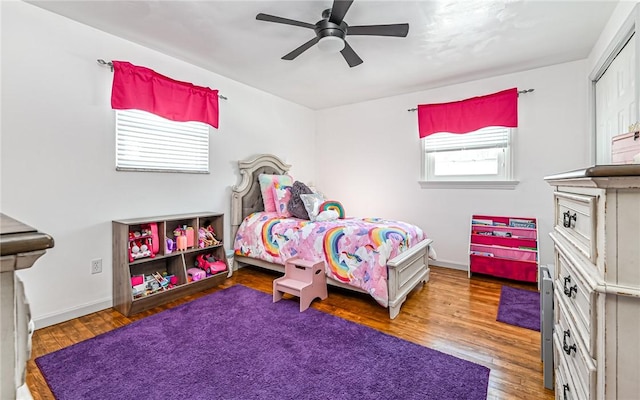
{"x":483,"y":155}
{"x":147,"y":142}
{"x":485,"y":138}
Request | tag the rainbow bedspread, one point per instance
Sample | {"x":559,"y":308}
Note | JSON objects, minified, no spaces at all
{"x":355,"y":250}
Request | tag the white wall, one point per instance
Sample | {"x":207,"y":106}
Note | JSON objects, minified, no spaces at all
{"x":57,"y":149}
{"x":369,"y":154}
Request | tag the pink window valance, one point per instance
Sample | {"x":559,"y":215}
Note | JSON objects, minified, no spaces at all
{"x":144,"y":89}
{"x":497,"y":109}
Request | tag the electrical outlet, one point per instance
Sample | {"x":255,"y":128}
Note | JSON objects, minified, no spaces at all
{"x":96,"y":266}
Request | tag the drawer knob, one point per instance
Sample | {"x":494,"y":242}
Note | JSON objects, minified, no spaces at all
{"x":567,"y":218}
{"x":567,"y":349}
{"x":568,"y":291}
{"x":565,"y":389}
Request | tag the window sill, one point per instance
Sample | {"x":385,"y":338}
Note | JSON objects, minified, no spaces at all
{"x":504,"y":185}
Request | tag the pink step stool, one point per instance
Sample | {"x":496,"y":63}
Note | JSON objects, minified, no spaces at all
{"x":302,"y":278}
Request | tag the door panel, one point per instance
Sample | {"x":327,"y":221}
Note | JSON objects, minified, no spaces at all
{"x":615,"y":100}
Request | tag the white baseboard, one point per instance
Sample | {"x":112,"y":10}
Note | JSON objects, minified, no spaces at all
{"x":449,"y":264}
{"x":71,"y":313}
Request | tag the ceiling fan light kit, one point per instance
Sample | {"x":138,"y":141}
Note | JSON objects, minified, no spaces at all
{"x":331,"y":32}
{"x":331,"y":44}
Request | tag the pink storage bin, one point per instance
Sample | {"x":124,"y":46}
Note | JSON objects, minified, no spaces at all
{"x":526,"y":271}
{"x":504,"y":252}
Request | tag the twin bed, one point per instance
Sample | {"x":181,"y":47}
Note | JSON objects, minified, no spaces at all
{"x":386,"y":259}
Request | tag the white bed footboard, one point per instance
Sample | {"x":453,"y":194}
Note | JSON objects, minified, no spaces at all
{"x":406,"y":271}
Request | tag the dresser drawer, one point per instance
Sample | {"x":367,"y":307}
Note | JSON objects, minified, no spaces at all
{"x":578,"y":297}
{"x":576,"y":221}
{"x":565,"y":389}
{"x":570,"y":348}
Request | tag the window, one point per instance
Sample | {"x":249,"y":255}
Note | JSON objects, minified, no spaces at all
{"x":483,"y":155}
{"x":146,"y":142}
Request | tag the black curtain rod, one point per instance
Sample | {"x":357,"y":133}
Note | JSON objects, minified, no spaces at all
{"x":110,"y":65}
{"x":519,"y":93}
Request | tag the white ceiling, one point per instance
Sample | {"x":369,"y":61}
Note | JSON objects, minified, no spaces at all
{"x":449,"y":41}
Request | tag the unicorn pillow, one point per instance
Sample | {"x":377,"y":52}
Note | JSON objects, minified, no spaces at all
{"x":281,"y":197}
{"x":267,"y":183}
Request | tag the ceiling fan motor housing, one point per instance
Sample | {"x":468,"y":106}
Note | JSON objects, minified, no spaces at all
{"x":325,"y":28}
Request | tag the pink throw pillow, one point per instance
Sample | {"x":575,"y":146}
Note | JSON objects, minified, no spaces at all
{"x":281,"y":196}
{"x":267,"y":183}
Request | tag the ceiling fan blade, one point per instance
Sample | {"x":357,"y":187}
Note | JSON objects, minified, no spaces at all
{"x":400,"y":30}
{"x":295,"y":53}
{"x":350,"y":56}
{"x":338,"y":11}
{"x":286,"y":21}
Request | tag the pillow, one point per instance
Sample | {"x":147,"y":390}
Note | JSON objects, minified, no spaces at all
{"x":333,"y":205}
{"x":327,"y":215}
{"x":269,"y":181}
{"x":312,"y":204}
{"x":281,"y":197}
{"x":296,"y":206}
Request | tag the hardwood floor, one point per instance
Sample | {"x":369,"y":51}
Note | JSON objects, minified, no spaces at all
{"x":451,"y":313}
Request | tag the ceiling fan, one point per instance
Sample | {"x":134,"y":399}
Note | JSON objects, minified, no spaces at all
{"x":331,"y":32}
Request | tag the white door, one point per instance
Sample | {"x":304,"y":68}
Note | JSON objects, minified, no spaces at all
{"x":615,"y":100}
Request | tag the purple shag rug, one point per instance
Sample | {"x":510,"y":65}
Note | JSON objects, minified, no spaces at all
{"x":237,"y":344}
{"x":519,"y":307}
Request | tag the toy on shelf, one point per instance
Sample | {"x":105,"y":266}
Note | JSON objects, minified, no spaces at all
{"x":142,"y":243}
{"x":207,"y":237}
{"x":139,"y":290}
{"x":164,"y":282}
{"x":189,"y":233}
{"x":195,"y":274}
{"x":137,"y":280}
{"x":210,"y":264}
{"x":171,"y":246}
{"x":184,"y":237}
{"x":152,"y":228}
{"x":144,"y":285}
{"x":181,"y":243}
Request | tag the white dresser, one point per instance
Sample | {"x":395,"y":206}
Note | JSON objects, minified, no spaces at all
{"x":596,"y":236}
{"x":20,"y":246}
